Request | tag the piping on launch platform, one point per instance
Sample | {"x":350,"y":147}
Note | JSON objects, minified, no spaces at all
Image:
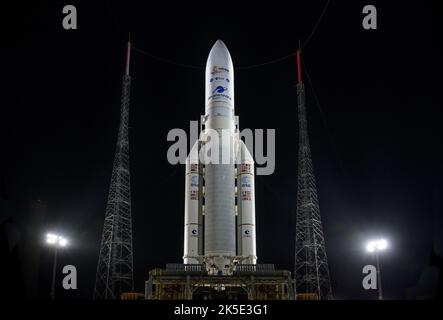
{"x":219,"y":192}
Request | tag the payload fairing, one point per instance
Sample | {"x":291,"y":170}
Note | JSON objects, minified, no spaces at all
{"x":219,"y":191}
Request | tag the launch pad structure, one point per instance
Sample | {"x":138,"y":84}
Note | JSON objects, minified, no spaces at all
{"x":219,"y":252}
{"x":192,"y":281}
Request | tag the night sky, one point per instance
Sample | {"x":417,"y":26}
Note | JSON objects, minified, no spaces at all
{"x":374,"y":122}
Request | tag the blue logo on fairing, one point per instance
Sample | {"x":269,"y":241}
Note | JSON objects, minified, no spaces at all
{"x":220,"y":89}
{"x":246,"y":232}
{"x":194,"y":232}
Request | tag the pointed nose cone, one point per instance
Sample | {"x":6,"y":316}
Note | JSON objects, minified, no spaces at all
{"x":219,"y":78}
{"x":219,"y":43}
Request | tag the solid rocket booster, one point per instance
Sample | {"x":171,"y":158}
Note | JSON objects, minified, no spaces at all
{"x":219,"y":193}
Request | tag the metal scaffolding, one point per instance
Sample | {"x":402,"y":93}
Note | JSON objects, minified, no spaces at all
{"x":193,"y":282}
{"x":115,"y":265}
{"x":311,"y":264}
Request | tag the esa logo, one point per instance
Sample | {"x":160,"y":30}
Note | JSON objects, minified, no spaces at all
{"x":247,"y":233}
{"x":194,"y":232}
{"x":245,"y":182}
{"x":218,"y":79}
{"x":219,"y":89}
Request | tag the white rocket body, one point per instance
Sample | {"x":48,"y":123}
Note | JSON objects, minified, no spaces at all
{"x":219,"y":231}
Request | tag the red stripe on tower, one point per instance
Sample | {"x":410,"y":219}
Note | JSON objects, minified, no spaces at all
{"x":128,"y":57}
{"x":299,"y":66}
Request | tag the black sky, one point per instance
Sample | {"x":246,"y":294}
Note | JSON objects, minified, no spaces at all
{"x":375,"y":134}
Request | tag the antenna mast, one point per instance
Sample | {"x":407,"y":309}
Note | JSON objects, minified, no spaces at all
{"x":311,"y":265}
{"x":115,"y":273}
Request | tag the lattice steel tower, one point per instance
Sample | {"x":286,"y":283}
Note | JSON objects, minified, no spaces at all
{"x":115,"y":264}
{"x":311,"y":265}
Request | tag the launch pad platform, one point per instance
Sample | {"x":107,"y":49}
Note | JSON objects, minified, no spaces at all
{"x":192,"y":282}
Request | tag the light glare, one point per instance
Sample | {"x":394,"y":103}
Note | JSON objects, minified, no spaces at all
{"x":370,"y":246}
{"x":377,"y":245}
{"x":382,"y":244}
{"x":54,"y":239}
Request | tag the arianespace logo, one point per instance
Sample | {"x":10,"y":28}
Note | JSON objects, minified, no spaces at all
{"x":219,"y":89}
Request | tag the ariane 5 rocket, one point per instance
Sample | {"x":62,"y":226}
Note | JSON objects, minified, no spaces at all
{"x":219,"y":191}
